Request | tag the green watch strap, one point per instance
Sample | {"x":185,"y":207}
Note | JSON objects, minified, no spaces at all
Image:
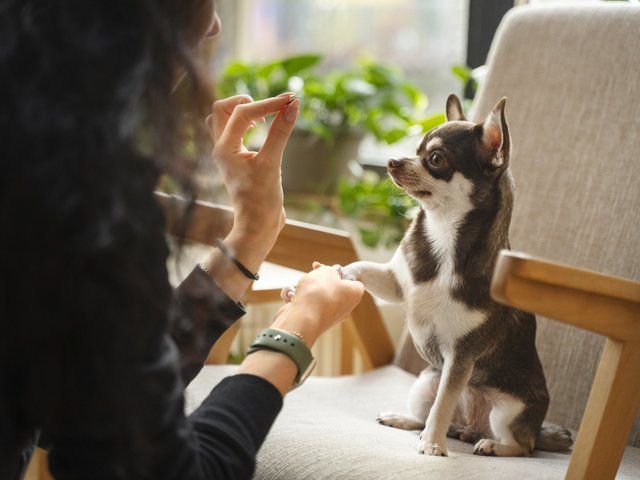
{"x":289,"y":344}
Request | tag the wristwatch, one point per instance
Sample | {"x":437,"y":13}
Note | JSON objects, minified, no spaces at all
{"x":289,"y":344}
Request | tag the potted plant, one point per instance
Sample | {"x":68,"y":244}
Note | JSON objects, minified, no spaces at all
{"x":337,"y":109}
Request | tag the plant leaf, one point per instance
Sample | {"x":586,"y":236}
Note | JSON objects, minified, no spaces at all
{"x":432,"y":121}
{"x":294,"y":65}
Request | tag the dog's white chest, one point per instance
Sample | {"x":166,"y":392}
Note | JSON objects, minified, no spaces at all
{"x":432,"y":311}
{"x":431,"y":308}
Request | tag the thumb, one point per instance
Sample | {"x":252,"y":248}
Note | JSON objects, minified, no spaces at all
{"x":280,"y":130}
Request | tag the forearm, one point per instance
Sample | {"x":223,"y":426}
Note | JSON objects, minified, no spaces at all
{"x":231,"y":424}
{"x":202,"y":313}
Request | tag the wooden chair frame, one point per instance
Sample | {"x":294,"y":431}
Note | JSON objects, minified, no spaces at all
{"x":603,"y":304}
{"x":298,"y":245}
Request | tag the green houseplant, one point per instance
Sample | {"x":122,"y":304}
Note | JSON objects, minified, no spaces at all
{"x":337,"y":109}
{"x":381,"y":212}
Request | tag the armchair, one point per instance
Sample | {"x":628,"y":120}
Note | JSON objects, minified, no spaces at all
{"x":570,"y":73}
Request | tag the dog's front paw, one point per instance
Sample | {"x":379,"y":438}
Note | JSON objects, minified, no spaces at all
{"x":351,"y":272}
{"x":397,"y":420}
{"x":432,"y":449}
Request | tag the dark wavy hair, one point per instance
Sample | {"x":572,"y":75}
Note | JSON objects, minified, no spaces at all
{"x":88,"y":125}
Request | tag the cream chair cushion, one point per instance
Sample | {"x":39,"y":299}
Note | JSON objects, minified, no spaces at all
{"x":328,"y":430}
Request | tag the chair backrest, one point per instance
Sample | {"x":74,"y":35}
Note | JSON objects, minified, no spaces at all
{"x":570,"y":76}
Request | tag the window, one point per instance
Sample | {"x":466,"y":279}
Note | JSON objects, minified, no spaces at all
{"x":423,"y":37}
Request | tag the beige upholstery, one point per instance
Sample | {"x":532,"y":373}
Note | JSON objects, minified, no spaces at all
{"x":570,"y":75}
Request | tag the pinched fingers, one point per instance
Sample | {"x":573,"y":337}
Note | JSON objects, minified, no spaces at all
{"x":244,"y":115}
{"x":222,"y":110}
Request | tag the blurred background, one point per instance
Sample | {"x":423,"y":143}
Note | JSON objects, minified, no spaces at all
{"x":372,"y":75}
{"x":423,"y":37}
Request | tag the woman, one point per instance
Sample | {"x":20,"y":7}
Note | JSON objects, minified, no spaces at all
{"x":96,"y":348}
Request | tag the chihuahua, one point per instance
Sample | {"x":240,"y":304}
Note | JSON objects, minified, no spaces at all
{"x":485,"y":382}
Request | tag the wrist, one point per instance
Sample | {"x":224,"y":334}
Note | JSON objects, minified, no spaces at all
{"x":262,"y":227}
{"x":300,"y":321}
{"x":223,"y":264}
{"x":275,"y":367}
{"x":251,"y":250}
{"x":291,"y":345}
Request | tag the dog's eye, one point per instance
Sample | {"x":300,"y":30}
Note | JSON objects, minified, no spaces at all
{"x":436,"y":160}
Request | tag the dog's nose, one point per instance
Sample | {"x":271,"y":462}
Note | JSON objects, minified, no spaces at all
{"x":395,"y":163}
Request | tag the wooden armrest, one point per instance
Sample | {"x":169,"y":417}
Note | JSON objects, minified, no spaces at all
{"x":207,"y":221}
{"x":298,"y":245}
{"x":601,"y":303}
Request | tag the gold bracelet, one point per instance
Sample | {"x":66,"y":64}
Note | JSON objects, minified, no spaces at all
{"x":297,"y":334}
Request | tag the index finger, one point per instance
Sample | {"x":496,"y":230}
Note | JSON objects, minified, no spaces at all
{"x":243,"y":115}
{"x":222,"y":110}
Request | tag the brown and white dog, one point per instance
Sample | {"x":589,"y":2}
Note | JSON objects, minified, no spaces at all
{"x":484,"y":383}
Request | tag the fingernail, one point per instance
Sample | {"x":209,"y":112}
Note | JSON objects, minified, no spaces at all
{"x":291,"y":111}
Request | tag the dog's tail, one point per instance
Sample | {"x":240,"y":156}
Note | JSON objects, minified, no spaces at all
{"x":553,"y":439}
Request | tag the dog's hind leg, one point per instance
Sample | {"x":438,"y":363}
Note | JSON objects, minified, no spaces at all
{"x":421,"y":398}
{"x":514,"y":426}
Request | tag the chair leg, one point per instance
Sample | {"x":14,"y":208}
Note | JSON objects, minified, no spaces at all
{"x":346,"y":349}
{"x":615,"y":396}
{"x":38,"y":466}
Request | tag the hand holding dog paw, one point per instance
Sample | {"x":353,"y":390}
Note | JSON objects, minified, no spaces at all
{"x":321,"y":300}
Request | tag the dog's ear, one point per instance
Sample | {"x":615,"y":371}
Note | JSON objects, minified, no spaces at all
{"x":454,"y":109}
{"x":495,"y":136}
